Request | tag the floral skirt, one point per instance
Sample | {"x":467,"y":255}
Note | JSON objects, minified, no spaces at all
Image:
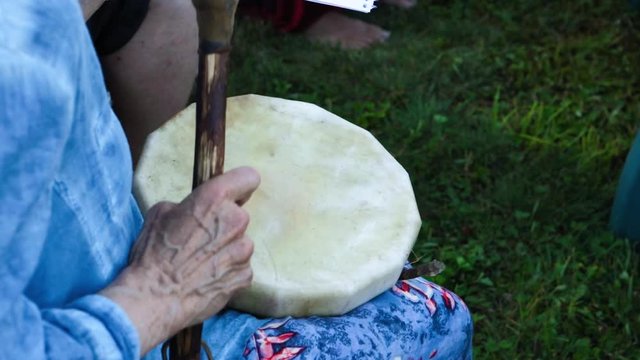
{"x":416,"y":319}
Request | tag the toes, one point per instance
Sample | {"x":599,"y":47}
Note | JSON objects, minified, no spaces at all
{"x":347,"y":33}
{"x":381,"y":35}
{"x":403,"y":4}
{"x":376,"y":35}
{"x":407,"y":4}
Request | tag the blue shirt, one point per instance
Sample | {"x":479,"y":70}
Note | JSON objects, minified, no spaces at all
{"x":67,"y":216}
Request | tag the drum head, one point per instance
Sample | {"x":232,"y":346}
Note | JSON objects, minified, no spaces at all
{"x":334,"y":218}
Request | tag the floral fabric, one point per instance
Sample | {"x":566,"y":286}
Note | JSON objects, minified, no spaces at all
{"x":416,"y":319}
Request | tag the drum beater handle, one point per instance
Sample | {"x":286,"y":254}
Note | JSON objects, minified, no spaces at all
{"x":215,"y":23}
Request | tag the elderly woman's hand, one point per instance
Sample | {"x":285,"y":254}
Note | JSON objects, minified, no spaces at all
{"x":189,"y":260}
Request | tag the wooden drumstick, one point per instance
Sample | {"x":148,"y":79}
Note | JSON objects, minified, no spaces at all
{"x":215,"y":23}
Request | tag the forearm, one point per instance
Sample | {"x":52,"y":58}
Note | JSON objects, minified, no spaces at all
{"x":89,"y":7}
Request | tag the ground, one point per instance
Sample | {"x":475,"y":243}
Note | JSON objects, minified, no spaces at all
{"x":513,"y":120}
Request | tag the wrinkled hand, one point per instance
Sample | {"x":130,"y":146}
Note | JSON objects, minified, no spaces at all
{"x":190,"y":258}
{"x":197,"y":250}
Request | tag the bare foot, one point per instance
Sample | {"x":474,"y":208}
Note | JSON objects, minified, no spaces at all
{"x":404,"y":4}
{"x":345,"y":32}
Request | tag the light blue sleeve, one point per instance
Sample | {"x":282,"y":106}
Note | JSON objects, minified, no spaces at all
{"x":36,"y":115}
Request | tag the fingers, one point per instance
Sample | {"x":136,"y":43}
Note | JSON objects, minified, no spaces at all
{"x":238,"y":273}
{"x":235,"y":254}
{"x":228,"y":224}
{"x":157,"y":210}
{"x":232,"y":279}
{"x":220,"y":293}
{"x":236,"y":185}
{"x":229,"y":265}
{"x":239,"y":278}
{"x":238,"y":252}
{"x":218,"y":265}
{"x":213,"y":208}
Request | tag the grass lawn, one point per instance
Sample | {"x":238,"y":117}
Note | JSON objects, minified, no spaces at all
{"x":513,"y":119}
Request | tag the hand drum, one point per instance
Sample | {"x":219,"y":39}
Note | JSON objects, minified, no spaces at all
{"x":334,"y":219}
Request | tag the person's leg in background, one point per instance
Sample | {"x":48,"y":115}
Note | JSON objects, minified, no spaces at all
{"x":319,"y":23}
{"x":149,"y":67}
{"x":336,"y":28}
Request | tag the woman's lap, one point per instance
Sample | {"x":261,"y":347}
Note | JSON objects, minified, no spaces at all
{"x":415,"y":320}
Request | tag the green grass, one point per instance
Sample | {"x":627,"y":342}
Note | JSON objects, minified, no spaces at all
{"x":513,"y":119}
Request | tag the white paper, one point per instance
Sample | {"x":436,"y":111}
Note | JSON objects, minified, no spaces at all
{"x":357,"y":5}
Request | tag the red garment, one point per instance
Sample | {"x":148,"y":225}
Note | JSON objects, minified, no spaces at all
{"x":286,"y":15}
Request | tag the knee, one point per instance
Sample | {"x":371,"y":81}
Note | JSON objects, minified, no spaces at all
{"x":178,"y":22}
{"x":441,"y":316}
{"x":444,"y":306}
{"x":151,"y":77}
{"x":164,"y":49}
{"x":458,"y":318}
